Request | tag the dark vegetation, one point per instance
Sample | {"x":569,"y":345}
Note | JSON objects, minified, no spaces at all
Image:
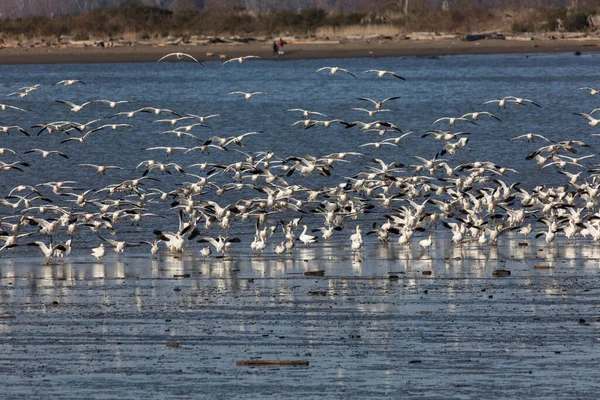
{"x":146,"y":22}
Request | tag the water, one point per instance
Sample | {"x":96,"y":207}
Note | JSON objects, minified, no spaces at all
{"x":101,"y":328}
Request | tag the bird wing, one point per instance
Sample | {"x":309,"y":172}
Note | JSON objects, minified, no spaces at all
{"x":366,"y":99}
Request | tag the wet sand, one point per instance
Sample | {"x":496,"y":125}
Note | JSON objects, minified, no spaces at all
{"x":293,"y":50}
{"x":406,"y":323}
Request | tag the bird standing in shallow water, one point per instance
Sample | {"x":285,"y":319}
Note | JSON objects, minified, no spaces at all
{"x":98,"y":252}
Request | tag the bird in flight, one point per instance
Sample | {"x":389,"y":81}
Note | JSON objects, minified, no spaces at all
{"x":333,"y":70}
{"x":381,"y":73}
{"x":241,"y":60}
{"x":179,"y":56}
{"x":69,"y":82}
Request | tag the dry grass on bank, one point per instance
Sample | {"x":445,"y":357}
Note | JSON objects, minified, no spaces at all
{"x":140,"y":22}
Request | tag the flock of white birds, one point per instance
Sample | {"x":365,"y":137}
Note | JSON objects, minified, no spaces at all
{"x":477,"y":203}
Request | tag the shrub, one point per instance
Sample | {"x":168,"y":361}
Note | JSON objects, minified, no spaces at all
{"x":577,"y":21}
{"x":522,"y":27}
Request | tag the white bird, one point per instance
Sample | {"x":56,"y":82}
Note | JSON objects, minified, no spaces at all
{"x":119,"y":245}
{"x":101,"y":169}
{"x":378,"y":104}
{"x":174,"y":241}
{"x":247,"y":95}
{"x":475,"y":115}
{"x":452,"y":120}
{"x":501,"y":102}
{"x":5,"y":107}
{"x":205,"y":251}
{"x":69,"y":82}
{"x":327,"y":232}
{"x":220,"y":243}
{"x":356,"y":240}
{"x":356,"y":245}
{"x":46,"y":153}
{"x":47,"y":250}
{"x":521,"y":101}
{"x":381,"y":73}
{"x":328,"y":124}
{"x":307,"y":114}
{"x":154,"y":247}
{"x":111,"y":103}
{"x":114,"y":127}
{"x":179,"y":57}
{"x":241,"y":60}
{"x":426,"y":243}
{"x":371,"y":112}
{"x":453,"y":148}
{"x":280,"y":248}
{"x":98,"y":252}
{"x":201,"y":118}
{"x":593,"y":121}
{"x":74,"y":107}
{"x":305,"y":238}
{"x":168,"y":149}
{"x":378,"y":145}
{"x":592,"y":91}
{"x":531,"y":137}
{"x":7,"y":129}
{"x":333,"y":70}
{"x":63,"y":251}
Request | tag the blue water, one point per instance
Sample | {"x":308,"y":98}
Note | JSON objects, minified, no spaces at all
{"x":79,"y":329}
{"x":434,"y":88}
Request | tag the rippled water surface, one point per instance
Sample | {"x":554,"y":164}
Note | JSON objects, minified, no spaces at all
{"x":392,"y":321}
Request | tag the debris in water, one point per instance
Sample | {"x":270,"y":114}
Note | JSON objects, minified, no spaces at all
{"x":318,"y":272}
{"x":272,"y":363}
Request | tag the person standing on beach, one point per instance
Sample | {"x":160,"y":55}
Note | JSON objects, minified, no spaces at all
{"x":275,"y":48}
{"x":280,"y":46}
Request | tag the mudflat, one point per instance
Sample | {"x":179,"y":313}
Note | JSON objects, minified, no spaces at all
{"x":294,"y":49}
{"x":306,"y":326}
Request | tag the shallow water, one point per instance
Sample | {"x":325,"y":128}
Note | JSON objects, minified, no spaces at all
{"x":86,"y":329}
{"x":101,"y":330}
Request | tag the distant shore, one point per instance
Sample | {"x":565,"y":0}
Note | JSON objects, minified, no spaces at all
{"x":345,"y":48}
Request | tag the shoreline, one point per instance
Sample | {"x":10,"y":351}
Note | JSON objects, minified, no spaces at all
{"x":294,"y":50}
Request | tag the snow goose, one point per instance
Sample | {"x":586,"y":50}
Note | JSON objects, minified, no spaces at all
{"x":69,"y":82}
{"x":381,"y":73}
{"x":179,"y":56}
{"x":241,"y":59}
{"x":333,"y":70}
{"x":47,"y":250}
{"x":305,"y":238}
{"x":98,"y":252}
{"x":378,"y":104}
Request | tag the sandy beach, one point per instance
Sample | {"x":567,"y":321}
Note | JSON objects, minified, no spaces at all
{"x":422,"y":45}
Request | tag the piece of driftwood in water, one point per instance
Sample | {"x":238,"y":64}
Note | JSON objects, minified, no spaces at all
{"x":318,"y":272}
{"x":272,"y":363}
